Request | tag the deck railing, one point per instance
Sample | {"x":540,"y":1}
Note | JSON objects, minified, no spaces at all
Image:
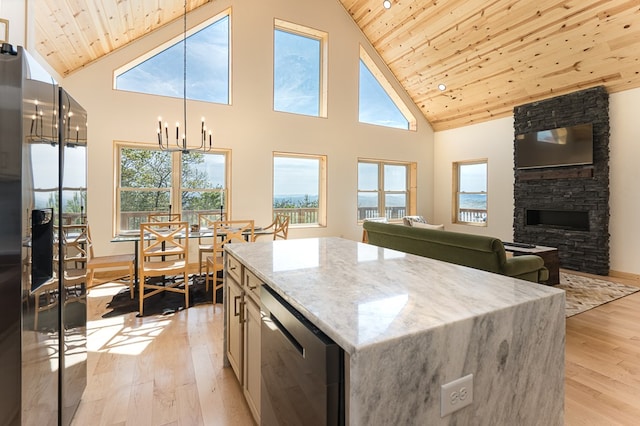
{"x":300,"y":215}
{"x":472,"y":215}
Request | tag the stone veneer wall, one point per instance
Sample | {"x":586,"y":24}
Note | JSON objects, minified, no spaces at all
{"x":570,"y":188}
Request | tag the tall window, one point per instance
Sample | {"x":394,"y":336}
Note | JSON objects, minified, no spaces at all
{"x":299,"y":188}
{"x":299,"y":69}
{"x":470,"y":192}
{"x":150,"y":180}
{"x":161,"y":71}
{"x":379,"y":103}
{"x":386,"y":189}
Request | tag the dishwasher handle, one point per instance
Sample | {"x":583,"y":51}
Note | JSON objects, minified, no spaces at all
{"x":286,"y":333}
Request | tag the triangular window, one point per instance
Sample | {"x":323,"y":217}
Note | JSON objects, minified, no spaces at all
{"x":161,"y":71}
{"x":379,"y":103}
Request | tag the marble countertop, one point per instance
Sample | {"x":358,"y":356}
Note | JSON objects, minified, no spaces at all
{"x":361,"y":295}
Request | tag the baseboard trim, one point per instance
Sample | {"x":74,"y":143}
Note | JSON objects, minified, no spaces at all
{"x":625,"y":275}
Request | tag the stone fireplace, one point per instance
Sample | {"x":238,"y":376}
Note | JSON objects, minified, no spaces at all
{"x":567,"y":207}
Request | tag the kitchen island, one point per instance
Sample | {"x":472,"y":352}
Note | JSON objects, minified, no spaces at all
{"x":409,"y":325}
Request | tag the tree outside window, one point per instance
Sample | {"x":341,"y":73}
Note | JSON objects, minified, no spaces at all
{"x":149,"y":182}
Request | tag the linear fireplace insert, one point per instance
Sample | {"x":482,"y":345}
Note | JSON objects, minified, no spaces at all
{"x":564,"y":219}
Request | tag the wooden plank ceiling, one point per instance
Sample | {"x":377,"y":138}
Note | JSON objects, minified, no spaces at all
{"x":492,"y":55}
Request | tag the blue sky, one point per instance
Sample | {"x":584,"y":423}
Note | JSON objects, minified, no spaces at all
{"x":296,"y":87}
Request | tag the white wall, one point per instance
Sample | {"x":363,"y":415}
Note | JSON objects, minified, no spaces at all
{"x":250,"y":127}
{"x":14,"y":11}
{"x":494,"y":140}
{"x":624,"y":178}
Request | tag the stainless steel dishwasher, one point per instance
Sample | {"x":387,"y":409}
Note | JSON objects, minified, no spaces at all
{"x":302,"y":368}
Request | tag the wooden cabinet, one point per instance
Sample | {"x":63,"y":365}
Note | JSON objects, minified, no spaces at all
{"x":251,"y":383}
{"x":235,"y":315}
{"x":242,"y":312}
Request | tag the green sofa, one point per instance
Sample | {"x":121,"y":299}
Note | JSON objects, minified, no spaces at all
{"x":475,"y":251}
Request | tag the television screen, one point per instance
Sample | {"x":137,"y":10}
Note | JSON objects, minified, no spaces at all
{"x":564,"y":146}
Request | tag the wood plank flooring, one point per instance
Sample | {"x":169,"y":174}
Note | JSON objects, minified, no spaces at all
{"x":158,"y":370}
{"x":602,"y":365}
{"x":167,"y":370}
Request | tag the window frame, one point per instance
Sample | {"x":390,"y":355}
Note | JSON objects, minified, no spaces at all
{"x":171,"y":42}
{"x":410,"y":191}
{"x":175,"y":189}
{"x":455,"y":210}
{"x":368,"y":62}
{"x":323,"y":38}
{"x":322,"y":186}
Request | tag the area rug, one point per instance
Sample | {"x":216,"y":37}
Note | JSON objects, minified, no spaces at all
{"x":584,"y":293}
{"x":163,"y":303}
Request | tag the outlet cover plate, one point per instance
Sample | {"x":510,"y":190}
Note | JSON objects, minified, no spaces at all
{"x":456,"y":395}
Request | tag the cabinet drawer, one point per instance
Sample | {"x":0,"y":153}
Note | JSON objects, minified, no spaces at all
{"x":252,"y":285}
{"x":234,"y":268}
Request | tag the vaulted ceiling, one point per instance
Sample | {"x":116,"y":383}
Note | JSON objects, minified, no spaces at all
{"x":492,"y":55}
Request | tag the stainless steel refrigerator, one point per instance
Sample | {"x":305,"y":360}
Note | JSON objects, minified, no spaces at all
{"x":43,"y":172}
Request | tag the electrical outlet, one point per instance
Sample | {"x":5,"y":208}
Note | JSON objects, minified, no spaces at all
{"x":456,"y":395}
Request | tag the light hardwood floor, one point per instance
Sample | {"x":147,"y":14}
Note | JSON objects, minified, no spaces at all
{"x":157,"y":370}
{"x":167,"y":370}
{"x":602,"y":365}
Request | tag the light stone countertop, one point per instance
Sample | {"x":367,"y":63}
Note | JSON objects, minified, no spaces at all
{"x":362,"y":295}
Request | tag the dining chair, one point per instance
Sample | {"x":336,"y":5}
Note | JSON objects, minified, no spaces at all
{"x":164,"y":217}
{"x":117,"y":262}
{"x":74,"y":243}
{"x":225,"y":232}
{"x":73,"y":288}
{"x":279,"y":228}
{"x":206,"y":221}
{"x":164,"y":247}
{"x":45,"y":298}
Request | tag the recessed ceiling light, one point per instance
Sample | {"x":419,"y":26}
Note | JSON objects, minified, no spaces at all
{"x":386,"y":4}
{"x":442,"y":87}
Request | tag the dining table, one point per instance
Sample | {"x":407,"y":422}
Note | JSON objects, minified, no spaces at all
{"x":133,"y":236}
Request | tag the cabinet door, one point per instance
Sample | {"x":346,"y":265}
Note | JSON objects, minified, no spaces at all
{"x":235,"y":317}
{"x":251,"y":385}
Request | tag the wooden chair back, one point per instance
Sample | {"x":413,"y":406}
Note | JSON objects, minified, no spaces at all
{"x":281,"y":227}
{"x":74,"y":243}
{"x":231,"y":231}
{"x":164,"y":247}
{"x":207,"y":219}
{"x":225,"y":232}
{"x":161,"y":239}
{"x":164,"y":217}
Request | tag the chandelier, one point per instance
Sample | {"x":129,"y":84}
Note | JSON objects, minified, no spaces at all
{"x":164,"y":142}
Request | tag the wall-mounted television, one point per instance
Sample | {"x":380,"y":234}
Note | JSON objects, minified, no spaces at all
{"x":564,"y":146}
